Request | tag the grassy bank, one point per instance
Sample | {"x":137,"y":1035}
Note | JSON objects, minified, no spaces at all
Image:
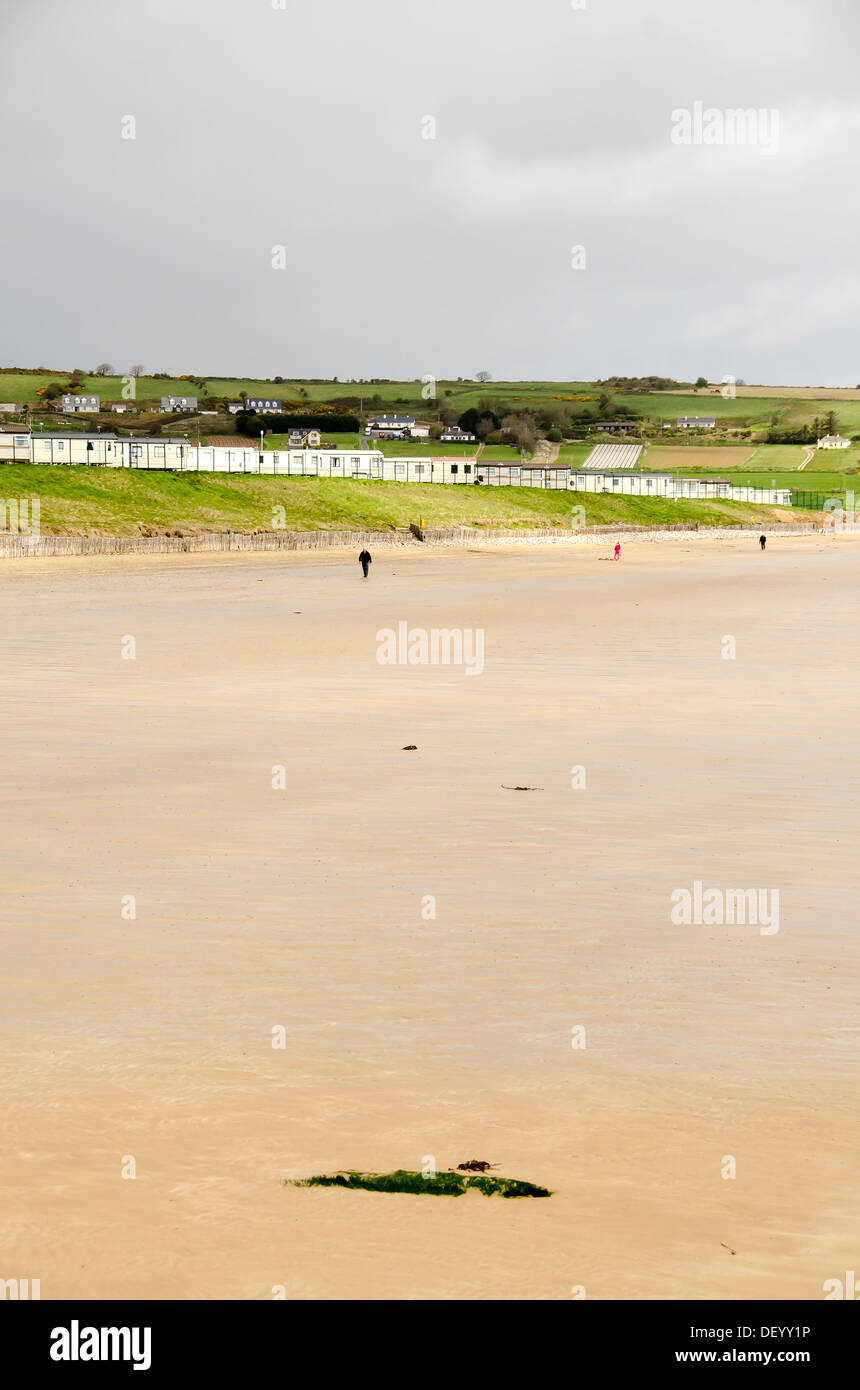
{"x":121,"y":502}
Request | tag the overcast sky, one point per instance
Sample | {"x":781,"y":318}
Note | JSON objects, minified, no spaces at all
{"x":303,"y":126}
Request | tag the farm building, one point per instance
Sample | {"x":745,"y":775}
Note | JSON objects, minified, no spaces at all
{"x":79,"y":405}
{"x":833,"y":441}
{"x":696,"y":422}
{"x":169,"y":404}
{"x":14,"y":445}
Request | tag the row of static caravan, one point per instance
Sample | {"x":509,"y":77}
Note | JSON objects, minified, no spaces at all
{"x":108,"y":451}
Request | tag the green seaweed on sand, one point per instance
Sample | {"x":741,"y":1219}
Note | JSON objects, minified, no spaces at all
{"x":437,"y":1185}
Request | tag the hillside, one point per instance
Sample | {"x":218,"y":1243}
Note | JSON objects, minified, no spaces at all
{"x":88,"y":501}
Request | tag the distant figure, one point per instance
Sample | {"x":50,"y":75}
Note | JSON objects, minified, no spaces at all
{"x":365,"y":560}
{"x":618,"y":550}
{"x":762,"y":540}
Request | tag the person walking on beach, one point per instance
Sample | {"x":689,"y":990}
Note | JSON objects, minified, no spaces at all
{"x":618,"y":550}
{"x":365,"y":560}
{"x":762,"y":540}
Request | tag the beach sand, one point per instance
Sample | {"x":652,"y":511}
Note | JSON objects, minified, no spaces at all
{"x":151,"y":1038}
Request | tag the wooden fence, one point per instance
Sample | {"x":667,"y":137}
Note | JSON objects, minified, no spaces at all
{"x":13,"y":546}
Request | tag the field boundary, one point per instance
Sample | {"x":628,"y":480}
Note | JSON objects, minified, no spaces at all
{"x":17,"y":547}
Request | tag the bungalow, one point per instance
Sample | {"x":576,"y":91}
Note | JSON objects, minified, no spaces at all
{"x":833,"y":441}
{"x":419,"y":431}
{"x":14,"y":444}
{"x":696,"y":422}
{"x":616,"y":426}
{"x":393,"y":425}
{"x":11,"y":408}
{"x":235,"y":406}
{"x":454,"y":435}
{"x":79,"y":405}
{"x":301,"y":439}
{"x":260,"y":406}
{"x":170,"y":404}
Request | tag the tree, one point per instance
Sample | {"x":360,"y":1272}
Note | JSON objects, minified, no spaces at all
{"x":521,"y":431}
{"x":483,"y":376}
{"x":701,"y":381}
{"x":104,"y":369}
{"x":137,"y":370}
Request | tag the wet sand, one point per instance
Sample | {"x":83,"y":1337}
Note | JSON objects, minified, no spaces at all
{"x":301,"y":908}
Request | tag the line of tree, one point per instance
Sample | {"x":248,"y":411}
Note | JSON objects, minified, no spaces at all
{"x":250,"y":424}
{"x":497,"y":421}
{"x":806,"y":434}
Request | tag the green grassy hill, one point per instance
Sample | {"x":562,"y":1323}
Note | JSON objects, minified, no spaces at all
{"x":120,"y":502}
{"x":755,"y":407}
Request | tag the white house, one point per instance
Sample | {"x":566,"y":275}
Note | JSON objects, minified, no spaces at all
{"x":11,"y":408}
{"x":169,"y":404}
{"x":833,"y":441}
{"x":259,"y":405}
{"x":300,"y":439}
{"x":696,"y":422}
{"x":382,"y":426}
{"x":79,"y":405}
{"x":454,"y":435}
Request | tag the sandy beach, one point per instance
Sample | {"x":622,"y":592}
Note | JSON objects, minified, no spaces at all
{"x":300,"y":907}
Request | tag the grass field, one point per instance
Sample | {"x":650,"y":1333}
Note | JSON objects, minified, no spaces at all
{"x":753,"y":407}
{"x":497,"y":453}
{"x":670,"y":458}
{"x":423,"y":448}
{"x":330,"y":440}
{"x":121,"y":502}
{"x":574,"y":454}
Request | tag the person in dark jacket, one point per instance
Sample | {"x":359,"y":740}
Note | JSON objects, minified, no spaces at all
{"x":762,"y":540}
{"x":365,"y":560}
